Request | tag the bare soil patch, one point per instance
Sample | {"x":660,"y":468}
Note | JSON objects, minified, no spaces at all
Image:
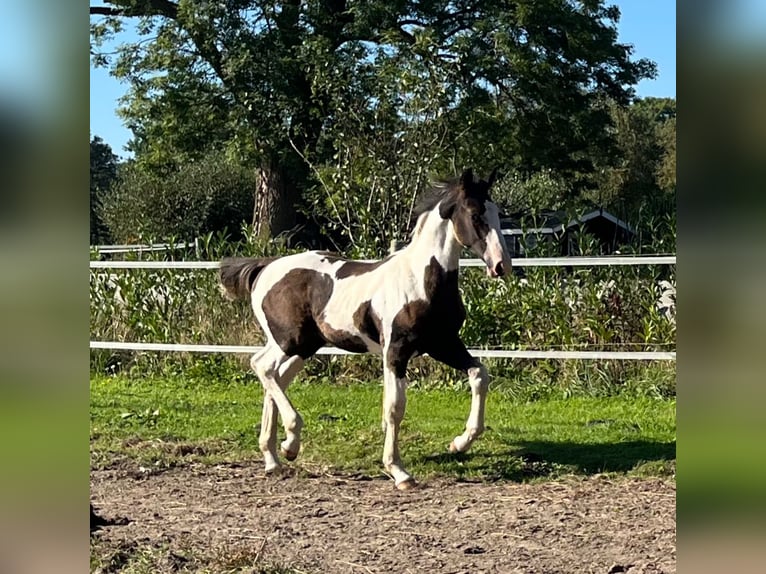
{"x":233,"y":518}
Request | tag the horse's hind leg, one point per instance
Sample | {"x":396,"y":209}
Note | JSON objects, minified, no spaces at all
{"x":275,"y":369}
{"x":268,"y":436}
{"x":267,"y":439}
{"x":287,"y":371}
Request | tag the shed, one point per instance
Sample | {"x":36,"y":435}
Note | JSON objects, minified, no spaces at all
{"x":525,"y":232}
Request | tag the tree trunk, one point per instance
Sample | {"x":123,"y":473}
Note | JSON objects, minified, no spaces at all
{"x":275,"y":199}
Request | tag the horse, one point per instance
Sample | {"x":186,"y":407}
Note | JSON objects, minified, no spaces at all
{"x":405,"y":305}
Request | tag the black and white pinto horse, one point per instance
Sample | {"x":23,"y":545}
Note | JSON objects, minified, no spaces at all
{"x":405,"y":305}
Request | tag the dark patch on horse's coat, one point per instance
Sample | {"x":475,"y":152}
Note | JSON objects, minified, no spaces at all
{"x":368,"y":323}
{"x":407,"y":328}
{"x":291,"y":307}
{"x":343,"y":339}
{"x":464,"y":202}
{"x":470,"y":228}
{"x":238,"y":274}
{"x":431,"y":325}
{"x":445,"y":191}
{"x":451,"y":192}
{"x":294,"y":309}
{"x":351,"y":268}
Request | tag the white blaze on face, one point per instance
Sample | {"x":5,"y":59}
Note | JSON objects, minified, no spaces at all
{"x":496,"y":253}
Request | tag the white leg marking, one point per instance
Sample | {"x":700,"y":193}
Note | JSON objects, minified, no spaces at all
{"x":267,"y":440}
{"x":287,"y":371}
{"x":394,"y":405}
{"x":268,"y":436}
{"x":267,"y":365}
{"x":478,"y":379}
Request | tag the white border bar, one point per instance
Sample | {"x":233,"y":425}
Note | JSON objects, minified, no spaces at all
{"x":490,"y":353}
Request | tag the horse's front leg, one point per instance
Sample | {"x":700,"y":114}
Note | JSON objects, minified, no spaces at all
{"x":394,"y":405}
{"x":454,"y":354}
{"x":478,"y":379}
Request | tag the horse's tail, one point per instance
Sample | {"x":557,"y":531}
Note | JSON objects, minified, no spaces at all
{"x":237,"y":275}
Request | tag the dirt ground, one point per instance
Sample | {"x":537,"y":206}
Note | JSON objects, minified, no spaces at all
{"x":229,"y":517}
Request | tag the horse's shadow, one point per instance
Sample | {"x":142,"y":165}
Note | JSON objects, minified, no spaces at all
{"x":524,"y":460}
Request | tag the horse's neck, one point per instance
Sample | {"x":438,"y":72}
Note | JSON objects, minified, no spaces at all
{"x":434,"y":238}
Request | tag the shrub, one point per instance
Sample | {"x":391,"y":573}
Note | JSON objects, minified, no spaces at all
{"x":540,"y":190}
{"x":199,"y":197}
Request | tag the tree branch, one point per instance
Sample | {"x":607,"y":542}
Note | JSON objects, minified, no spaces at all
{"x":105,"y":11}
{"x":146,"y":8}
{"x":204,"y":46}
{"x":164,"y":8}
{"x":405,"y":35}
{"x":412,"y":22}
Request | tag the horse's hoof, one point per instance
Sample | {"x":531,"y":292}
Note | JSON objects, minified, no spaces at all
{"x":289,"y":455}
{"x":272,"y":470}
{"x":453,"y":447}
{"x":408,"y":484}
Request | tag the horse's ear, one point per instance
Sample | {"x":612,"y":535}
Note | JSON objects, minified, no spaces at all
{"x":492,"y":177}
{"x":467,"y":177}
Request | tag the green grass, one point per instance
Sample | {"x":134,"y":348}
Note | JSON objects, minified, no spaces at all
{"x":160,"y":422}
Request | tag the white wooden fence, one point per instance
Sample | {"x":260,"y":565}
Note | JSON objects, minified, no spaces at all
{"x":142,"y":247}
{"x":619,"y":260}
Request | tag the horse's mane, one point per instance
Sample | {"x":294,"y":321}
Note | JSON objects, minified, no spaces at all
{"x":439,"y":190}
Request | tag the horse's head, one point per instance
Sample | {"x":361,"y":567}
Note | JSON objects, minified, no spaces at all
{"x":476,"y":222}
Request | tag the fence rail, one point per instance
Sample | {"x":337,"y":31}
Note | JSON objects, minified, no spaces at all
{"x":141,"y":247}
{"x":620,"y":260}
{"x":610,"y":260}
{"x":489,"y":353}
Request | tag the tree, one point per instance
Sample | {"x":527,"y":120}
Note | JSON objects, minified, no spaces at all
{"x":665,"y":116}
{"x":272,"y":81}
{"x":208,"y":195}
{"x":103,"y":172}
{"x":645,"y":166}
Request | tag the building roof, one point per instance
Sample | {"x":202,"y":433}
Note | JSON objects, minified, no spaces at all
{"x":549,"y":222}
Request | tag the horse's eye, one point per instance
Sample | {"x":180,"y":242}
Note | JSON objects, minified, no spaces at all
{"x":475,"y":218}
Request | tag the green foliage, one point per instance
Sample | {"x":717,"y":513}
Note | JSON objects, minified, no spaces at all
{"x":445,"y":84}
{"x":666,"y":170}
{"x":103,"y":172}
{"x":656,"y":233}
{"x":365,"y":196}
{"x":540,"y":190}
{"x":644,"y":174}
{"x":366,"y":191}
{"x":208,"y":195}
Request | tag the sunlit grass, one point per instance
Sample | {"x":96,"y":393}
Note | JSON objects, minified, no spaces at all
{"x":165,"y":421}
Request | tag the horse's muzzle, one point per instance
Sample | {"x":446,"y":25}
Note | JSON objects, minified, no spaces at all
{"x":500,"y":269}
{"x":497,"y":271}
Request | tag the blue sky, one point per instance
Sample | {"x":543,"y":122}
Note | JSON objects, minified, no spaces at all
{"x":649,"y":25}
